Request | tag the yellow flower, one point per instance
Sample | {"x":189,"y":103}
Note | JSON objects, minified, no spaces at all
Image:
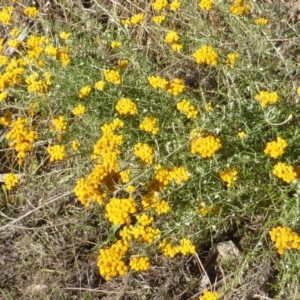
{"x":14,"y":32}
{"x":240,"y":7}
{"x":112,"y":76}
{"x":231,"y":58}
{"x":189,"y":109}
{"x":205,"y":145}
{"x":175,"y":4}
{"x":136,"y":19}
{"x":10,"y":181}
{"x":56,"y":152}
{"x":157,"y":82}
{"x":261,"y":21}
{"x":78,"y":110}
{"x":125,"y":106}
{"x":242,"y":134}
{"x":159,"y":4}
{"x":285,"y":172}
{"x":206,"y":55}
{"x":298,"y":91}
{"x":229,"y":176}
{"x":172,"y":37}
{"x":145,"y":153}
{"x":99,"y":85}
{"x":140,"y":263}
{"x":31,"y":12}
{"x":175,"y":86}
{"x":5,"y":15}
{"x":176,"y":47}
{"x":265,"y":98}
{"x":122,"y":65}
{"x":85,"y":91}
{"x":3,"y":96}
{"x":158,"y":19}
{"x":65,"y":35}
{"x":51,"y":50}
{"x":149,"y":124}
{"x":75,"y":145}
{"x":276,"y":148}
{"x":59,"y":124}
{"x":115,"y":44}
{"x":206,"y":4}
{"x":207,"y":295}
{"x":6,"y":119}
{"x":13,"y":43}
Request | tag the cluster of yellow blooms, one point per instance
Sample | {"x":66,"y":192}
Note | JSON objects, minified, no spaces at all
{"x":110,"y":261}
{"x":261,"y":21}
{"x":206,"y":4}
{"x":59,"y":124}
{"x":163,"y":177}
{"x":189,"y":109}
{"x":112,"y":76}
{"x":172,"y":37}
{"x":115,"y":44}
{"x":159,"y":4}
{"x":149,"y":124}
{"x":185,"y":247}
{"x":7,"y":118}
{"x":265,"y":98}
{"x":207,"y":295}
{"x":157,"y":82}
{"x":242,"y":134}
{"x":38,"y":85}
{"x":152,"y":200}
{"x":5,"y":15}
{"x":75,"y":145}
{"x":10,"y":181}
{"x":140,"y":263}
{"x":56,"y":152}
{"x":240,"y":7}
{"x":284,"y":238}
{"x":106,"y":151}
{"x":21,"y":138}
{"x":85,"y":91}
{"x":206,"y":55}
{"x":206,"y":145}
{"x":158,"y":19}
{"x":126,"y":106}
{"x":276,"y":148}
{"x":231,"y":58}
{"x":175,"y":86}
{"x":134,"y":20}
{"x":31,"y":12}
{"x":285,"y":172}
{"x":78,"y":110}
{"x":99,"y":85}
{"x":144,"y":152}
{"x":118,"y":211}
{"x":229,"y":176}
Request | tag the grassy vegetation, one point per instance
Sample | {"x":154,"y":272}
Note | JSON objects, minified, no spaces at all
{"x":135,"y":150}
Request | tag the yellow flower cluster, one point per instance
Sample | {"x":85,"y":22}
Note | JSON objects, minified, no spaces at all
{"x":175,"y":5}
{"x":106,"y":151}
{"x":157,"y":82}
{"x":34,"y":84}
{"x":99,"y":85}
{"x":152,"y":200}
{"x":231,"y":58}
{"x":78,"y":110}
{"x":10,"y":181}
{"x":186,"y":247}
{"x":285,"y":172}
{"x":140,"y":263}
{"x":240,"y":7}
{"x":13,"y":43}
{"x":149,"y":124}
{"x":172,"y":37}
{"x":65,"y":35}
{"x":265,"y":98}
{"x":261,"y":21}
{"x":144,"y":152}
{"x":158,"y":19}
{"x":175,"y":86}
{"x":118,"y":211}
{"x":276,"y":148}
{"x":31,"y":12}
{"x":206,"y":4}
{"x":56,"y":152}
{"x":242,"y":134}
{"x":125,"y":175}
{"x":207,"y":295}
{"x":21,"y":138}
{"x":115,"y":44}
{"x":284,"y":238}
{"x":189,"y":109}
{"x":112,"y":76}
{"x":141,"y":231}
{"x":159,"y":4}
{"x":5,"y":15}
{"x":123,"y":64}
{"x":134,"y":20}
{"x":229,"y":176}
{"x":206,"y":55}
{"x":75,"y":145}
{"x":126,"y":106}
{"x":85,"y":91}
{"x":6,"y":119}
{"x":110,"y":261}
{"x":206,"y":145}
{"x":59,"y":124}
